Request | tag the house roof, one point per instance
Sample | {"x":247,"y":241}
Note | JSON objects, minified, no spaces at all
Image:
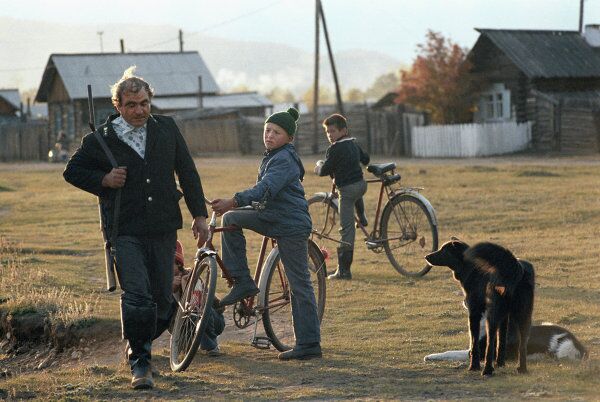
{"x":545,"y":54}
{"x":12,"y":97}
{"x":234,"y":100}
{"x":169,"y":73}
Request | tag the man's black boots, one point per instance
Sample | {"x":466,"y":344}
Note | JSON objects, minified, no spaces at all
{"x":139,"y":355}
{"x":242,"y":287}
{"x":344,"y":262}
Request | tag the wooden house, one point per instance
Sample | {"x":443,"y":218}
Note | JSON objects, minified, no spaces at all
{"x":551,"y":78}
{"x":181,"y":82}
{"x":10,"y":105}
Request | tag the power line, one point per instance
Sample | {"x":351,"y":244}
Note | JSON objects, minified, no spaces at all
{"x":217,"y":25}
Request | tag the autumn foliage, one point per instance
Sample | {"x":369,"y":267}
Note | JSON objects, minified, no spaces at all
{"x":439,"y":81}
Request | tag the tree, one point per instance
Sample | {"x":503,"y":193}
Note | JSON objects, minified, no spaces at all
{"x":281,"y":95}
{"x":439,"y":81}
{"x":383,"y":84}
{"x":354,"y":95}
{"x":326,"y":97}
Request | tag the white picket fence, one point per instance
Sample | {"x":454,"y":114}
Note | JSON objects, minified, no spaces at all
{"x":468,"y":140}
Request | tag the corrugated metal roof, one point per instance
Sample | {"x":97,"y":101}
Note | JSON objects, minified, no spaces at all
{"x":169,"y":73}
{"x":12,"y":97}
{"x":546,"y":54}
{"x":237,"y":100}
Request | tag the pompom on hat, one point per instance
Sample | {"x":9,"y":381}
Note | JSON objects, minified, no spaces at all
{"x":179,"y":254}
{"x":286,"y":120}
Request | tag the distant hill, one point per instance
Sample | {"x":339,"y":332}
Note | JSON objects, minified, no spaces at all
{"x":26,"y":45}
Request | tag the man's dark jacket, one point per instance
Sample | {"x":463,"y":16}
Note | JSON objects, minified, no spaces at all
{"x":150,"y":198}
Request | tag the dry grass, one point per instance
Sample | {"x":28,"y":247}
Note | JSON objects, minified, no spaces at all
{"x":376,"y":328}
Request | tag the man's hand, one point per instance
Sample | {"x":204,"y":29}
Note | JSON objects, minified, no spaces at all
{"x":200,"y":230}
{"x":220,"y":205}
{"x":115,"y":178}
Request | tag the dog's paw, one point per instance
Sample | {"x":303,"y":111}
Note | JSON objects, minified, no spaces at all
{"x":487,"y":372}
{"x":522,"y":370}
{"x":474,"y":367}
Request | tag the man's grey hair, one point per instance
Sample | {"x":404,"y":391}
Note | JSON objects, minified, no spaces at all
{"x":129,"y":83}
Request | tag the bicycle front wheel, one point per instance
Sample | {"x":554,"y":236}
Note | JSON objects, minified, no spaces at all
{"x":277,"y":314}
{"x":325,"y":217}
{"x":409,"y":233}
{"x":191,"y":317}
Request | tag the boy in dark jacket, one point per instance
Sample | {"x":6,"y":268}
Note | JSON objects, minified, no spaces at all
{"x":285,"y":218}
{"x":342,"y":163}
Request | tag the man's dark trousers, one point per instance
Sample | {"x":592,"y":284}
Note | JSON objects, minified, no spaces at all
{"x":145,"y":271}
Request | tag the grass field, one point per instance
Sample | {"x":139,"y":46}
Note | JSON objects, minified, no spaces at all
{"x":376,"y":328}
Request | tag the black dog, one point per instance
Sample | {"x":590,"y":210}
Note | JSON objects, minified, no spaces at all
{"x":496,"y":284}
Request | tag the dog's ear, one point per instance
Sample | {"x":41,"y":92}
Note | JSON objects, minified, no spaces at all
{"x":459,"y":247}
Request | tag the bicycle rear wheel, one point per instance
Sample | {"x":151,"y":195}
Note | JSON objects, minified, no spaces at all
{"x":411,"y":234}
{"x":325,"y":217}
{"x":277,"y":314}
{"x":190,"y":322}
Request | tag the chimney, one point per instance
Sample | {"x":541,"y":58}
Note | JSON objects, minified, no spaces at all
{"x":591,"y":34}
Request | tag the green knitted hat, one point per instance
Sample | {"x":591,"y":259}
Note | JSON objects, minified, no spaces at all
{"x":286,"y":120}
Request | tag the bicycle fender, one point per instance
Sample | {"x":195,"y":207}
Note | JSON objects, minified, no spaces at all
{"x":205,"y":252}
{"x":425,"y":201}
{"x":264,"y":277}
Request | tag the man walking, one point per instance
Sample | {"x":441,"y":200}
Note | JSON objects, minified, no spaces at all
{"x":149,"y":150}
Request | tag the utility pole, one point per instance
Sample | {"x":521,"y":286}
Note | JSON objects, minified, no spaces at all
{"x":100,"y":33}
{"x":122,"y":42}
{"x":581,"y":17}
{"x":338,"y":95}
{"x":180,"y":41}
{"x":315,"y":145}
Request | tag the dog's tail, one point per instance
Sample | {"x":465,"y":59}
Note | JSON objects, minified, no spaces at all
{"x":497,"y":262}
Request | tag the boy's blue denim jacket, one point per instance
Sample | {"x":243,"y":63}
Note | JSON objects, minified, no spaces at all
{"x":279,"y":185}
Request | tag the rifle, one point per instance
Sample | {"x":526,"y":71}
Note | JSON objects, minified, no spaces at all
{"x":109,"y":248}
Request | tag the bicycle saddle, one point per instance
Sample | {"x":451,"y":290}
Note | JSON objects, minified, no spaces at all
{"x":380,"y":168}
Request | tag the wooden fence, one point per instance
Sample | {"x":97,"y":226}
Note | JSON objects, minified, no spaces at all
{"x":469,"y":140}
{"x":24,"y":141}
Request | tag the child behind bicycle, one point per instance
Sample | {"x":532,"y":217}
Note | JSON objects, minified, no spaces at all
{"x":342,"y":163}
{"x":285,"y":218}
{"x":216,"y":321}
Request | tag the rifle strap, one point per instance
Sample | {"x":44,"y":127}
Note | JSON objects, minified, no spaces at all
{"x":115,"y":222}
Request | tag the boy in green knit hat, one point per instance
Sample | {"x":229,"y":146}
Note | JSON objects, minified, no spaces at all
{"x":285,"y":218}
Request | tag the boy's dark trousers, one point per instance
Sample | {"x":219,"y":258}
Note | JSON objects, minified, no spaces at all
{"x":294,"y":255}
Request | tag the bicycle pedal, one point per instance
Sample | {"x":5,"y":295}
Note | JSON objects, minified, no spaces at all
{"x":261,"y":342}
{"x":371,"y":245}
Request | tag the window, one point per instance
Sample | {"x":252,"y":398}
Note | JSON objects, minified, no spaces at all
{"x":494,"y":104}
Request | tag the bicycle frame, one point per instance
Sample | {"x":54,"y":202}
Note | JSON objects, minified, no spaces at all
{"x":248,"y":303}
{"x":373,"y":235}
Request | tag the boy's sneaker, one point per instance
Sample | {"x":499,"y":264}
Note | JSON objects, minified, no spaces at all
{"x":216,"y":352}
{"x":242,"y":287}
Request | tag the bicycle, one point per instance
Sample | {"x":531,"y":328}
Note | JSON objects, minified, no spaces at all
{"x":406,"y":229}
{"x":272,"y":305}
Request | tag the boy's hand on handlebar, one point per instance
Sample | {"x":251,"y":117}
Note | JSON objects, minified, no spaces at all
{"x":222,"y":205}
{"x":318,"y":166}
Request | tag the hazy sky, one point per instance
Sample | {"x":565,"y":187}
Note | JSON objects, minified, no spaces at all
{"x":390,"y":26}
